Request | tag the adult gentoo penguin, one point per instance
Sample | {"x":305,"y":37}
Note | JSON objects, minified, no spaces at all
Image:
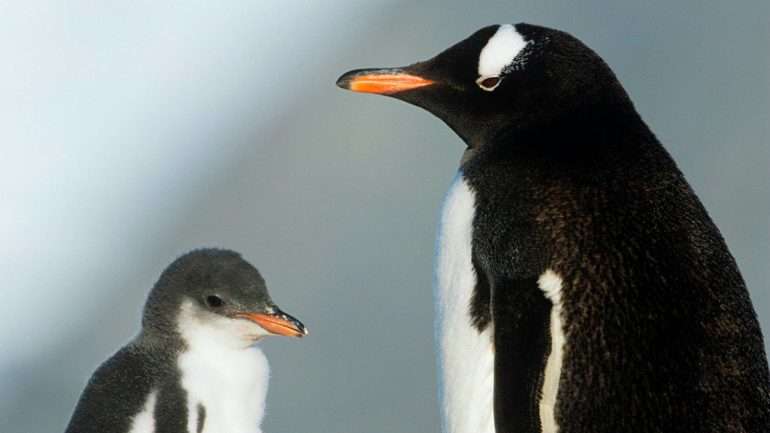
{"x":194,"y":368}
{"x":582,"y":287}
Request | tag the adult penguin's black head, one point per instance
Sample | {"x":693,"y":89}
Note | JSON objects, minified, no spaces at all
{"x":218,"y":293}
{"x":502,"y":79}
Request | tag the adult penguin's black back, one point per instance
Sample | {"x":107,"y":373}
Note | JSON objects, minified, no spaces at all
{"x":582,"y":287}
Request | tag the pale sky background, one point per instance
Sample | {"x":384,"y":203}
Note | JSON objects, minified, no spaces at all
{"x":132,"y":132}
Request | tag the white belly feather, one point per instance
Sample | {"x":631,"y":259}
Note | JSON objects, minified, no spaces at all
{"x":144,"y":421}
{"x":550,"y":283}
{"x":467,"y":357}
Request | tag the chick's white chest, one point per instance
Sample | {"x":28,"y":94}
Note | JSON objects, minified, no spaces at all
{"x":228,"y":381}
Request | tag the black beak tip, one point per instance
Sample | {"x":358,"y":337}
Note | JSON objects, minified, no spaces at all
{"x":343,"y":82}
{"x":302,"y":330}
{"x":299,"y":326}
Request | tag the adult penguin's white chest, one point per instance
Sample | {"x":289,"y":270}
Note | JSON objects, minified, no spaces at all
{"x":466,"y":356}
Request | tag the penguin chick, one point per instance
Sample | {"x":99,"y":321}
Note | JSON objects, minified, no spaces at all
{"x":195,"y":366}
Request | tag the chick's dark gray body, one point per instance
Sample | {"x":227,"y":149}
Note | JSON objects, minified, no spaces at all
{"x":194,"y":366}
{"x":120,"y":389}
{"x":606,"y":296}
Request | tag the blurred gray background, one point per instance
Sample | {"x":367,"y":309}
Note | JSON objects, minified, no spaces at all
{"x":134,"y":131}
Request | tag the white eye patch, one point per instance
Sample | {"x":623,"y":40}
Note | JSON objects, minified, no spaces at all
{"x":498,"y":53}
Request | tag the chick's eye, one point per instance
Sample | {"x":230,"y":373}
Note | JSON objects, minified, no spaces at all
{"x":214,"y":301}
{"x":489,"y":83}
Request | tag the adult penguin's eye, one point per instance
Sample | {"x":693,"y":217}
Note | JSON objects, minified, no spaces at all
{"x":488,"y":83}
{"x":214,"y":301}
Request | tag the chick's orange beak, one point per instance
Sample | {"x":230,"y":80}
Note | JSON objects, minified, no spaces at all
{"x":277,"y":323}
